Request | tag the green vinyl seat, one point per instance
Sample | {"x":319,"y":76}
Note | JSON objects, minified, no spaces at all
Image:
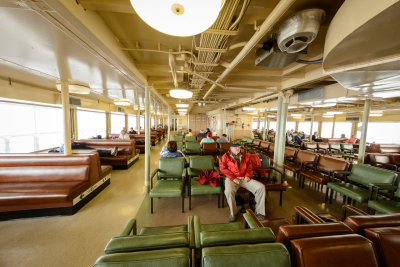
{"x":180,"y":146}
{"x":171,"y":174}
{"x":385,"y":205}
{"x":334,"y":148}
{"x":190,"y":138}
{"x":179,"y":257}
{"x":193,"y":148}
{"x":347,"y":148}
{"x":359,"y":182}
{"x":178,"y":138}
{"x":196,"y":165}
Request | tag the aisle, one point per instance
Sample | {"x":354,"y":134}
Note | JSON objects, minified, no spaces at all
{"x":79,"y":239}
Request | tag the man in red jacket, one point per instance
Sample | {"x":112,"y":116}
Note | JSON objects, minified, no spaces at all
{"x":238,"y":169}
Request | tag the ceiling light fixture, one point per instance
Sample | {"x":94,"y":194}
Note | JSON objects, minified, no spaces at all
{"x":122,"y":102}
{"x":327,"y":116}
{"x":296,"y":115}
{"x":375,"y":114}
{"x":182,"y":110}
{"x":180,"y":93}
{"x":182,"y":105}
{"x":334,"y":112}
{"x":248,"y":109}
{"x":76,"y":87}
{"x":178,"y":17}
{"x":136,"y":108}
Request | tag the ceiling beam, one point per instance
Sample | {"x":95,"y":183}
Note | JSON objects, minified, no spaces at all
{"x":117,"y":6}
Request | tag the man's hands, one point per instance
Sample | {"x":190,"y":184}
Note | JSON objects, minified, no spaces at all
{"x":247,"y":179}
{"x":236,"y":181}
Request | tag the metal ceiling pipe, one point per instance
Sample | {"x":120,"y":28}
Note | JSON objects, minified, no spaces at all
{"x":265,"y":27}
{"x":171,"y":59}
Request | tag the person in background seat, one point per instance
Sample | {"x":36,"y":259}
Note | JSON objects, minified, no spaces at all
{"x":201,"y":134}
{"x":131,"y":131}
{"x":190,"y":133}
{"x":315,"y":137}
{"x":208,"y":139}
{"x":124,"y":135}
{"x":222,"y":139}
{"x":75,"y":145}
{"x":170,"y":150}
{"x":238,"y":169}
{"x":352,"y":140}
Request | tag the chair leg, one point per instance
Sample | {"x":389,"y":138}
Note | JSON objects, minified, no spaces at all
{"x":190,"y":201}
{"x":344,"y":199}
{"x":151,"y":205}
{"x":219,"y":200}
{"x":326,"y":194}
{"x":280,"y":198}
{"x":183,"y":204}
{"x":331,"y":197}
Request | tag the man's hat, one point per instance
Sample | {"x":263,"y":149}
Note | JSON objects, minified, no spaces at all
{"x":233,"y":144}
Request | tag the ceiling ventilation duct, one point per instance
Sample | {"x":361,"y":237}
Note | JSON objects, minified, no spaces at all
{"x":298,"y":31}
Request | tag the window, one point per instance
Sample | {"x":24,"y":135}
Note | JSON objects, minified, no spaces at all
{"x":290,"y":125}
{"x":342,"y":128}
{"x":91,"y":123}
{"x":375,"y":134}
{"x":28,"y":128}
{"x":326,"y":131}
{"x":304,"y":126}
{"x":253,"y":125}
{"x":152,"y":122}
{"x":272,"y":125}
{"x":132,"y":121}
{"x":142,"y":122}
{"x":117,"y":122}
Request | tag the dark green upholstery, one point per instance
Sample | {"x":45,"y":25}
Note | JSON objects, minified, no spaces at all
{"x":346,"y":147}
{"x":385,"y":206}
{"x":146,"y":242}
{"x":178,"y":138}
{"x":256,"y":255}
{"x":193,"y":148}
{"x":249,"y":220}
{"x":190,"y":139}
{"x":180,"y":146}
{"x":163,"y":230}
{"x":242,"y":236}
{"x":196,"y":165}
{"x":217,"y":227}
{"x":334,"y":147}
{"x":173,"y":171}
{"x":178,"y":257}
{"x":360,"y":179}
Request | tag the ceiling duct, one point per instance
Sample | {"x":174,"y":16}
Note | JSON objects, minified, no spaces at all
{"x":298,"y":31}
{"x":270,"y":56}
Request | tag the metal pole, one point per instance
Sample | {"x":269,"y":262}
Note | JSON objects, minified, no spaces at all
{"x":169,"y":124}
{"x":333,"y":126}
{"x":66,"y":118}
{"x":224,"y":123}
{"x":363,"y":138}
{"x":265,"y":125}
{"x":278,"y":127}
{"x":188,"y":119}
{"x":311,"y":127}
{"x":282,"y":136}
{"x":138,"y":120}
{"x":147,"y":140}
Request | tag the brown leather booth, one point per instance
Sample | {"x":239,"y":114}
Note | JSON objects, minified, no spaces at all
{"x":209,"y":149}
{"x":382,"y":160}
{"x":387,"y":244}
{"x":126,"y":151}
{"x":264,"y":146}
{"x":49,"y":184}
{"x":334,"y":140}
{"x":301,"y":157}
{"x":223,"y":148}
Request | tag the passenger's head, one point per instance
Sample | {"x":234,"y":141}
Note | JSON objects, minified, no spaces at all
{"x":131,"y":129}
{"x":172,"y":146}
{"x":209,"y":134}
{"x":353,"y":136}
{"x":315,"y":133}
{"x":342,"y":136}
{"x":224,"y":135}
{"x":123,"y":131}
{"x":190,"y":130}
{"x":235,"y":148}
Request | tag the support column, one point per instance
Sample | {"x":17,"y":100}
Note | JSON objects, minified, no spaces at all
{"x":333,"y":126}
{"x":363,"y":137}
{"x":320,"y":129}
{"x":126,"y":122}
{"x":66,"y":118}
{"x":279,"y":150}
{"x":311,"y":127}
{"x":169,"y":124}
{"x":188,"y":125}
{"x":224,"y":123}
{"x":265,"y":132}
{"x":108,"y":124}
{"x":278,"y":127}
{"x":147,"y":140}
{"x":138,"y":120}
{"x":296,"y":126}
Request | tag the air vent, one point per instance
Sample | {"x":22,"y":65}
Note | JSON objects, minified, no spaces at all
{"x":352,"y":118}
{"x":121,"y":110}
{"x":315,"y":93}
{"x":73,"y":101}
{"x":270,"y":56}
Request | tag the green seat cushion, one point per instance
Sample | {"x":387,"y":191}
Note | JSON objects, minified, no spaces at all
{"x":366,"y":175}
{"x":179,"y":257}
{"x":163,"y":230}
{"x":171,"y":167}
{"x":385,"y":206}
{"x":203,"y":189}
{"x":250,"y":221}
{"x":242,"y":236}
{"x":167,"y":188}
{"x":146,"y":242}
{"x":257,"y":255}
{"x":221,"y":227}
{"x":352,"y":191}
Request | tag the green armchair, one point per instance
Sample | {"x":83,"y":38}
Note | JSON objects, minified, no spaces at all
{"x":334,"y":148}
{"x":383,"y":204}
{"x":171,"y":175}
{"x":178,"y":138}
{"x":196,"y":165}
{"x":190,"y":139}
{"x":193,"y":148}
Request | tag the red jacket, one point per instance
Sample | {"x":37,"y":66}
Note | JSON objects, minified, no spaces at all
{"x":229,"y":167}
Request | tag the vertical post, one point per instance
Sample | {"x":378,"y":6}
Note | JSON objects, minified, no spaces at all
{"x":138,"y":120}
{"x":311,"y":127}
{"x":333,"y":126}
{"x":126,"y":122}
{"x":169,"y":124}
{"x":282,"y":136}
{"x":278,"y":127}
{"x":108,"y":124}
{"x":265,"y":132}
{"x":258,"y":122}
{"x":224,"y":123}
{"x":66,"y":118}
{"x":363,"y":137}
{"x":188,"y":125}
{"x":296,"y":126}
{"x":147,"y":139}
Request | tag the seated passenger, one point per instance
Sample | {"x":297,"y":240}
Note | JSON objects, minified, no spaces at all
{"x":208,"y":139}
{"x":315,"y":137}
{"x":190,"y":133}
{"x":289,"y":138}
{"x":170,"y":150}
{"x":238,"y":169}
{"x":352,"y":140}
{"x":222,"y":139}
{"x":124,"y":135}
{"x":343,"y":136}
{"x":201,"y":134}
{"x":297,"y":138}
{"x":131,"y":131}
{"x":102,"y":152}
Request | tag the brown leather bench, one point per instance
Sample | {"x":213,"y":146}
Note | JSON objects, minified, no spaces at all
{"x":223,"y":148}
{"x":334,"y":140}
{"x":264,"y":146}
{"x":310,"y":146}
{"x":322,"y":170}
{"x":382,"y":160}
{"x":209,"y":149}
{"x":48,"y":184}
{"x":302,"y":157}
{"x":127,"y":154}
{"x":322,"y":147}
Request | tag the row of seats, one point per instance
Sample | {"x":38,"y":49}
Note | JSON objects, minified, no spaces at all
{"x":190,"y":146}
{"x":384,"y":160}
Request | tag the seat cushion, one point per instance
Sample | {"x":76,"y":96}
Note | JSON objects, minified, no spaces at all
{"x":163,"y":230}
{"x":265,"y":254}
{"x":179,"y":257}
{"x":352,"y":191}
{"x":385,"y":206}
{"x":167,"y":188}
{"x":203,"y":189}
{"x":221,"y":227}
{"x":292,"y":167}
{"x":105,"y":170}
{"x":315,"y":176}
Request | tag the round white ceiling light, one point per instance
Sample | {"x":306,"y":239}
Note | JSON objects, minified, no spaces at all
{"x":180,"y":93}
{"x":182,"y":105}
{"x":178,"y":17}
{"x":76,"y":87}
{"x":122,"y":102}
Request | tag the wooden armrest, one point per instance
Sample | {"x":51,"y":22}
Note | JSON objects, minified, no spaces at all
{"x":308,"y":215}
{"x":354,"y":210}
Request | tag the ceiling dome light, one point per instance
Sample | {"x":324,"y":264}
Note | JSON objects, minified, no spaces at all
{"x":182,"y":105}
{"x":76,"y":87}
{"x":178,"y":17}
{"x":248,"y":109}
{"x":122,"y":102}
{"x":182,"y":110}
{"x":180,"y":93}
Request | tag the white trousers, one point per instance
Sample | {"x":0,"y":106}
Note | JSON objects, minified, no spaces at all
{"x":255,"y":187}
